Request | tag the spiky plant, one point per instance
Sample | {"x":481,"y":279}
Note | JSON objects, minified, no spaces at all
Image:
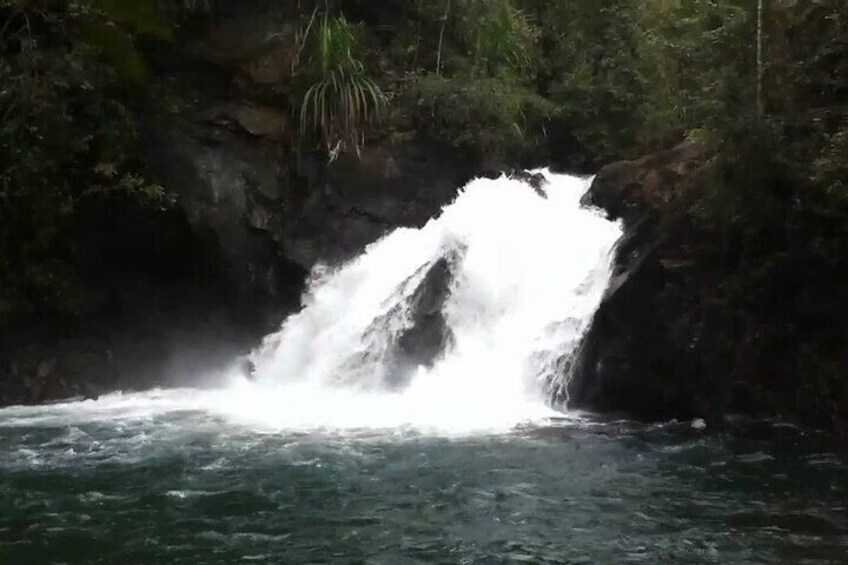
{"x":343,"y":100}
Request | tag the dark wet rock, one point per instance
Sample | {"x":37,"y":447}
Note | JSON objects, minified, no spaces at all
{"x":668,"y":341}
{"x":644,"y":187}
{"x":226,"y":191}
{"x":429,"y":334}
{"x":644,"y":353}
{"x":537,"y":181}
{"x":421,"y":332}
{"x":273,"y":216}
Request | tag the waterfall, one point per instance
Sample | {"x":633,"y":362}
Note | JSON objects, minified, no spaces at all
{"x":465,"y":323}
{"x":469,"y":324}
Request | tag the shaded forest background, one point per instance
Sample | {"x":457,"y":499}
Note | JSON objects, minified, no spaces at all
{"x":574,"y":83}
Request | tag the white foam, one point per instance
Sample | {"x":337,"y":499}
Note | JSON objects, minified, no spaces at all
{"x":527,"y":280}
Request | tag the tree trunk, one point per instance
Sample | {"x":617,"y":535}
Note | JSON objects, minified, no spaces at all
{"x":760,"y":61}
{"x":442,"y":37}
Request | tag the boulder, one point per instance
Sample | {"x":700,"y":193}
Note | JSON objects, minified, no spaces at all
{"x":632,"y":189}
{"x":428,"y":335}
{"x":639,"y":355}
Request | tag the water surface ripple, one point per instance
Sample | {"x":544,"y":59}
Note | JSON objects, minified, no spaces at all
{"x":188,"y":486}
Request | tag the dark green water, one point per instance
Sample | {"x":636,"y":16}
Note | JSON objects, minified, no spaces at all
{"x":184,"y":486}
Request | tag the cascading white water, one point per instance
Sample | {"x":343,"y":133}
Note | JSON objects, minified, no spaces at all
{"x":525,"y":270}
{"x":528,"y":268}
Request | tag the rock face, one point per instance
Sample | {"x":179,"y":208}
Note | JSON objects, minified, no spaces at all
{"x":273,"y":217}
{"x":429,"y":334}
{"x":669,"y":340}
{"x":644,"y":352}
{"x":224,"y":140}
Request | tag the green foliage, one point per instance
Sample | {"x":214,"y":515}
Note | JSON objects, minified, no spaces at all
{"x":110,"y":28}
{"x":771,"y":215}
{"x":466,"y":77}
{"x":698,"y":68}
{"x":343,"y":100}
{"x":65,"y":139}
{"x":589,"y":68}
{"x":487,"y":117}
{"x":497,"y":37}
{"x":140,"y":16}
{"x":115,"y":46}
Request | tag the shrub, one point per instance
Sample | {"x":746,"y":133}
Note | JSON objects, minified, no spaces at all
{"x":486,"y":116}
{"x":343,"y":100}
